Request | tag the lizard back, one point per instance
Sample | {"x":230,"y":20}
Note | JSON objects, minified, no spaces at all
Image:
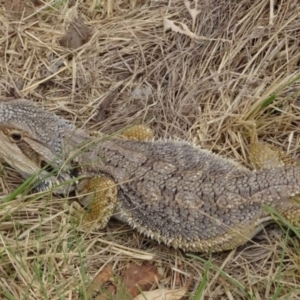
{"x":174,"y":189}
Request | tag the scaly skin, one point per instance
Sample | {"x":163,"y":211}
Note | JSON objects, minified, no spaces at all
{"x":172,"y":191}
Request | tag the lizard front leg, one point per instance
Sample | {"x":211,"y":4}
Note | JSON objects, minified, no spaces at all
{"x":138,"y":133}
{"x":133,"y":133}
{"x":99,"y":196}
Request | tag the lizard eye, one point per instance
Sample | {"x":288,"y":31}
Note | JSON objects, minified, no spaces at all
{"x":16,"y":137}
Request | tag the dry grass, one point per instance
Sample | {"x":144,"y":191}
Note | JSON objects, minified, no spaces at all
{"x":211,"y":86}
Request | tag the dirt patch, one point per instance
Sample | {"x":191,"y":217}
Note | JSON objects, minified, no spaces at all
{"x":77,"y":35}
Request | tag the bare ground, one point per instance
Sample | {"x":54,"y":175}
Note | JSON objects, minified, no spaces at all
{"x":209,"y":74}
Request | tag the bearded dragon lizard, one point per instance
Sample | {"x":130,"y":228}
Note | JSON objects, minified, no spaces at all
{"x":171,"y":191}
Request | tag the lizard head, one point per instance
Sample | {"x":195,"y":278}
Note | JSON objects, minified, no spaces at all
{"x":31,"y":142}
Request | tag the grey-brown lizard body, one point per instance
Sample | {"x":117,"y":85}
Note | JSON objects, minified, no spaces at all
{"x":170,"y":190}
{"x":181,"y":194}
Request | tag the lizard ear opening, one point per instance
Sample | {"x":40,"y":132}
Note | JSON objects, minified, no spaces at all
{"x":16,"y":136}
